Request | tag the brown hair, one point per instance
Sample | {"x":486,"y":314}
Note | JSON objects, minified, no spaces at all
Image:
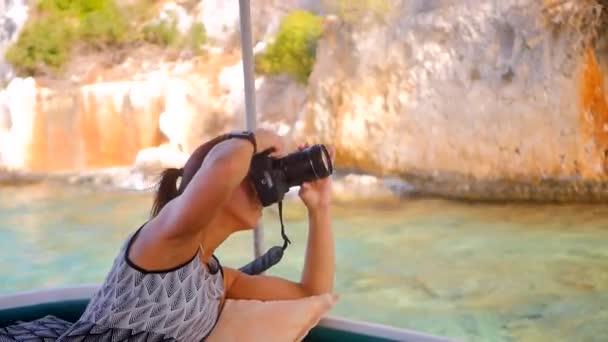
{"x":167,"y":187}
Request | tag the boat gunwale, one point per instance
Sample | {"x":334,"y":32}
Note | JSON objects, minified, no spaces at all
{"x":86,"y":291}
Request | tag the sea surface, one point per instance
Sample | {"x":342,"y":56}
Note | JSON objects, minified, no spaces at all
{"x":478,"y":272}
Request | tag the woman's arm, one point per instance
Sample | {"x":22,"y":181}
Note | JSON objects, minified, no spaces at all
{"x":317,"y":276}
{"x":174,"y":230}
{"x":224,"y":168}
{"x":319,"y":267}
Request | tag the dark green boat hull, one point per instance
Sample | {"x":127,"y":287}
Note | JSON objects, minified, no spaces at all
{"x":71,"y":310}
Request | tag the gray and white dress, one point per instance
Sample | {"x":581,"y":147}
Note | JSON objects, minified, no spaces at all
{"x":178,"y":304}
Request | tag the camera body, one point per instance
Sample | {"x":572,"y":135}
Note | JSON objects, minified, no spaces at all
{"x":273,"y":177}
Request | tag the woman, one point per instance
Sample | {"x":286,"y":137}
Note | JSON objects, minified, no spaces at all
{"x":166,"y":284}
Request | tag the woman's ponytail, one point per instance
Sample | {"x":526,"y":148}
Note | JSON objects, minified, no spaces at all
{"x":167,"y":189}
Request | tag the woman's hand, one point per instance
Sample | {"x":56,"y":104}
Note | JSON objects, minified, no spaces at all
{"x":319,"y":266}
{"x":267,"y":139}
{"x":317,"y":194}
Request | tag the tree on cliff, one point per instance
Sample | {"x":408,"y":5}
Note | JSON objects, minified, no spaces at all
{"x":57,"y":29}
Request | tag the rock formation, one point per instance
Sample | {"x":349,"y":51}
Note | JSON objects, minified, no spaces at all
{"x":473,"y":99}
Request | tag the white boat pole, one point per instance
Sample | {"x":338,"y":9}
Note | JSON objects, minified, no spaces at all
{"x":249,"y":83}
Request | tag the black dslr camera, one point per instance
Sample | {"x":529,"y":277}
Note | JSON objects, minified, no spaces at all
{"x":272,"y":177}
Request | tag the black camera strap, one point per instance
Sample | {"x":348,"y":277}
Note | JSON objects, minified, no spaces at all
{"x":286,"y":240}
{"x":272,"y":256}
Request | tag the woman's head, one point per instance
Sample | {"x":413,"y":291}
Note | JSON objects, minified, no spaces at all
{"x":243,"y":207}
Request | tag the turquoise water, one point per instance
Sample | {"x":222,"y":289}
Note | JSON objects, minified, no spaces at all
{"x":478,"y":272}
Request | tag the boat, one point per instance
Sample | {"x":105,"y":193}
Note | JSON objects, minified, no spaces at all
{"x":69,"y":303}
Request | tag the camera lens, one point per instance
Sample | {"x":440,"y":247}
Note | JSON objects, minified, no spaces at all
{"x":326,"y":160}
{"x":306,"y":165}
{"x":320,"y":160}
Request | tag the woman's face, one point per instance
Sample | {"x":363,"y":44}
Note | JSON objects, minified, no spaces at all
{"x":244,"y":205}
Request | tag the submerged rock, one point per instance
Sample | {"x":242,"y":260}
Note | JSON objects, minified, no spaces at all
{"x":347,"y":188}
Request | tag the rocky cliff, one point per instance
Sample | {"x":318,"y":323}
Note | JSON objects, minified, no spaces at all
{"x":13,"y":15}
{"x":474,"y":99}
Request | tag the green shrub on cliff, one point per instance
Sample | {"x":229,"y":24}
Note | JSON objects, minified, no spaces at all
{"x":55,"y":27}
{"x":47,"y":39}
{"x":294,"y":49}
{"x":353,"y":11}
{"x":166,"y":33}
{"x":41,"y":45}
{"x":197,"y":37}
{"x":163,"y":32}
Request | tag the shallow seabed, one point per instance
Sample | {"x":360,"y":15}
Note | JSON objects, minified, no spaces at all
{"x":475,"y":271}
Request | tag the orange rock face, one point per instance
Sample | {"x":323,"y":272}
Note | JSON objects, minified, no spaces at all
{"x":593,"y":117}
{"x":90,"y":127}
